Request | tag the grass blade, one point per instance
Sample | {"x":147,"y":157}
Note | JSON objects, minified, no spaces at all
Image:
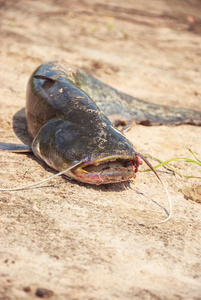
{"x":194,"y":155}
{"x":166,"y":164}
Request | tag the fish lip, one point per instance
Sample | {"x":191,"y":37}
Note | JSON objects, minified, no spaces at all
{"x":110,"y":174}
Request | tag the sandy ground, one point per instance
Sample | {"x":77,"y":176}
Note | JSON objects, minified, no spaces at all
{"x":82,"y":241}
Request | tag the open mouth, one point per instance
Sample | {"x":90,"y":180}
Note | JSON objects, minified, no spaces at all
{"x":107,"y":170}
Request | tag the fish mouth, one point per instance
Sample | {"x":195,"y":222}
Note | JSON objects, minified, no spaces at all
{"x":106,"y":170}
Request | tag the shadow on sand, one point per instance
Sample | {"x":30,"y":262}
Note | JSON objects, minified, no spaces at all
{"x":20,"y":127}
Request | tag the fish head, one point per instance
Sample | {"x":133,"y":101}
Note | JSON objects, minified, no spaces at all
{"x":110,"y":157}
{"x":104,"y":153}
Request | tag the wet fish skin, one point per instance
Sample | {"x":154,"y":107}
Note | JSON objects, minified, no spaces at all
{"x":67,"y":126}
{"x":124,"y":109}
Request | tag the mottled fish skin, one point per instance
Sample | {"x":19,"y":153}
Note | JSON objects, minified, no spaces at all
{"x":124,"y":109}
{"x":67,"y":126}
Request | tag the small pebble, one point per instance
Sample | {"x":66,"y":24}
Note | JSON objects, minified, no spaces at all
{"x":43,"y":293}
{"x":27,"y":289}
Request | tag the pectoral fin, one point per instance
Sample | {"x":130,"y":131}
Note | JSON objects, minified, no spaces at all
{"x":15,"y":147}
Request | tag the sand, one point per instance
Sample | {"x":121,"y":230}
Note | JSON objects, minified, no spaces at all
{"x":82,"y":241}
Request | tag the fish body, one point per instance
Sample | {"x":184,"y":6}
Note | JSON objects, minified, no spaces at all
{"x":123,"y":109}
{"x":71,"y":117}
{"x":67,"y":127}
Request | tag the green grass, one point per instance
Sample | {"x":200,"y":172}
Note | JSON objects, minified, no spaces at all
{"x":166,"y":163}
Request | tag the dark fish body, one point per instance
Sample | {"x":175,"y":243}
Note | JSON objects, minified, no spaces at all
{"x":124,"y":109}
{"x":67,"y":127}
{"x":70,"y":130}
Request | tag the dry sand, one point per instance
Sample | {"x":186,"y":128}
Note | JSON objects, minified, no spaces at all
{"x":82,"y":241}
